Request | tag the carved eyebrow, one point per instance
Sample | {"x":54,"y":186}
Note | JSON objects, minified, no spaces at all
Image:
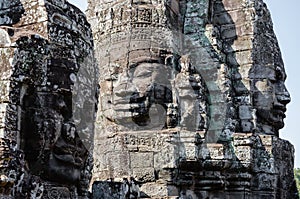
{"x":134,"y":65}
{"x":280,"y":72}
{"x":144,"y":69}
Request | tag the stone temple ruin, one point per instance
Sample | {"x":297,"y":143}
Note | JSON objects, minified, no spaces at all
{"x":178,"y":99}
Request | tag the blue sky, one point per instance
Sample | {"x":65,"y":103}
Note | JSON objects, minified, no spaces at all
{"x":285,"y":15}
{"x":82,"y":4}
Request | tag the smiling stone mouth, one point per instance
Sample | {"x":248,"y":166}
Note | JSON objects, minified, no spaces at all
{"x":136,"y":107}
{"x":279,"y":111}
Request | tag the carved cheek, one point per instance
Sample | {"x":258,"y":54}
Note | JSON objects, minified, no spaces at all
{"x":142,"y":84}
{"x":106,"y":86}
{"x":264,"y":95}
{"x":263,"y":100}
{"x":263,"y":86}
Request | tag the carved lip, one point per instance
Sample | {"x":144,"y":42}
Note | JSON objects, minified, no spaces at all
{"x":129,"y":100}
{"x":121,"y":100}
{"x":129,"y":103}
{"x":280,"y":109}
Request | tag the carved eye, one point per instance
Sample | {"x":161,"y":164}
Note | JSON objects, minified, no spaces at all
{"x":278,"y":73}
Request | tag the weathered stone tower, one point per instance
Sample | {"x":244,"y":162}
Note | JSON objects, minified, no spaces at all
{"x":48,"y":88}
{"x":191,"y":101}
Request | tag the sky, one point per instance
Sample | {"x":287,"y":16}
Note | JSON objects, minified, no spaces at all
{"x":285,"y":15}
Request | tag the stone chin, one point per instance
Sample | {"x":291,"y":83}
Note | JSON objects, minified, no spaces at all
{"x":272,"y":118}
{"x":62,"y":171}
{"x":278,"y":122}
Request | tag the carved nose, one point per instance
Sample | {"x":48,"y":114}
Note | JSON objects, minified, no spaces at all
{"x":284,"y":97}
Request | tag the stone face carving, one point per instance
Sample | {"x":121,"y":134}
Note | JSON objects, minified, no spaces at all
{"x":138,"y":93}
{"x":270,"y":99}
{"x":49,"y":90}
{"x":270,"y":95}
{"x":146,"y":97}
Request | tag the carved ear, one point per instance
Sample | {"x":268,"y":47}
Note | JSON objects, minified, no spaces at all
{"x":169,"y":60}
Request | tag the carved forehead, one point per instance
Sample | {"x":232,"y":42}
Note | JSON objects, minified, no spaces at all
{"x":266,"y":72}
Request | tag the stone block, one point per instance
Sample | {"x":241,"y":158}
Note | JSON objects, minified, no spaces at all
{"x":212,"y":151}
{"x":245,"y":112}
{"x":154,"y":190}
{"x":167,"y":157}
{"x":144,"y":174}
{"x":141,"y":160}
{"x":243,"y":153}
{"x":120,"y":162}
